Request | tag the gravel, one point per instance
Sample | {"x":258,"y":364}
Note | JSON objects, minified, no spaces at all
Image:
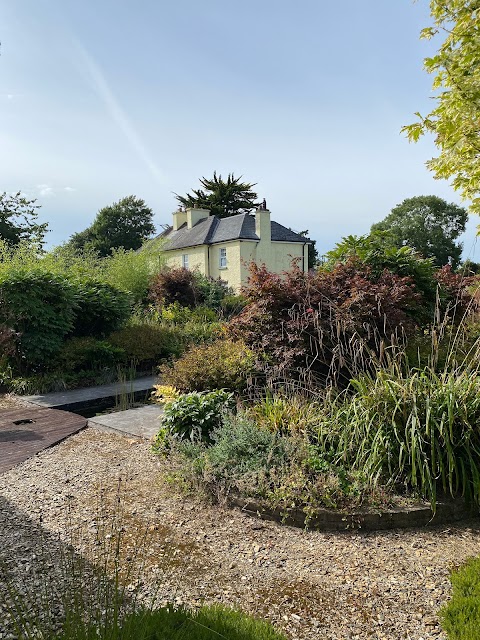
{"x":354,"y":585}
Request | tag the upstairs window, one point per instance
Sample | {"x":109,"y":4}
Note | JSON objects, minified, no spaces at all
{"x":185,"y":260}
{"x":223,"y":258}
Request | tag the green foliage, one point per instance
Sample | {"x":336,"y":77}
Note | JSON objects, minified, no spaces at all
{"x":179,"y":623}
{"x":378,"y":252}
{"x":246,"y":459}
{"x":194,"y":415}
{"x":211,"y":293}
{"x":242,"y":456}
{"x":100,"y":308}
{"x":18,"y":220}
{"x":429,"y":225}
{"x":223,"y":198}
{"x":417,"y":429}
{"x":133,"y":271}
{"x":454,"y":120}
{"x":39,"y":308}
{"x":224,"y":364}
{"x":148,"y":344}
{"x":87,"y":354}
{"x":461,"y":616}
{"x":285,"y":413}
{"x":124,"y":224}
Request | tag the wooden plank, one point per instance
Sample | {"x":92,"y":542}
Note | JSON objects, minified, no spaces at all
{"x":26,"y":431}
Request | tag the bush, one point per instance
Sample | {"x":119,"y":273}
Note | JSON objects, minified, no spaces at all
{"x":174,"y":285}
{"x":221,"y":365}
{"x":148,"y":344}
{"x":133,"y":271}
{"x":284,"y":471}
{"x":100,"y":308}
{"x":211,"y":293}
{"x":329,"y":324}
{"x":39,"y":308}
{"x":461,"y":616}
{"x":87,"y":354}
{"x":195,"y":415}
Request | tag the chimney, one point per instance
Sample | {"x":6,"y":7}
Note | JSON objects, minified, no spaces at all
{"x":179,"y":218}
{"x":263,"y":227}
{"x":194,"y":215}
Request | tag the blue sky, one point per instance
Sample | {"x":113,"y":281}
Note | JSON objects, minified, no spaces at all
{"x":103,"y":99}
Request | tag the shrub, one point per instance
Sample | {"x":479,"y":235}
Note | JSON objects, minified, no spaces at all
{"x":461,"y":616}
{"x":133,"y":271}
{"x":211,"y":292}
{"x":38,"y":307}
{"x":174,"y":285}
{"x":100,"y":308}
{"x":195,"y":415}
{"x":242,"y":456}
{"x":86,"y":354}
{"x":329,"y":324}
{"x":176,"y":314}
{"x":221,"y":365}
{"x":285,"y":414}
{"x":147,"y":344}
{"x":285,"y":472}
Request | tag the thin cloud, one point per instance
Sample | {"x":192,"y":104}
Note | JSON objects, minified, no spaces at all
{"x":46,"y":190}
{"x":117,"y":113}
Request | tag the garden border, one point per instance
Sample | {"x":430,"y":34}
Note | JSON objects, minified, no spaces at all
{"x":329,"y":520}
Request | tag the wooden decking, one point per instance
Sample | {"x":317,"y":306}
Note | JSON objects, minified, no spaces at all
{"x":26,"y":431}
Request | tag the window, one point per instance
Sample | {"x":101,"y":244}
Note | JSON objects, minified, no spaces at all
{"x":223,"y":258}
{"x":185,"y":260}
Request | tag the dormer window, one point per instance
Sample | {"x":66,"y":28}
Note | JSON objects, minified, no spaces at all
{"x":223,"y":258}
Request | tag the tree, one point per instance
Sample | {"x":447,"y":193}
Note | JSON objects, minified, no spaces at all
{"x":455,"y":120}
{"x":124,"y":224}
{"x":429,"y":225}
{"x":222,"y":198}
{"x":18,"y":220}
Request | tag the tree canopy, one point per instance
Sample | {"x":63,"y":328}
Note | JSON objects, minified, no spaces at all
{"x":455,"y":119}
{"x":224,"y":198}
{"x":18,"y":220}
{"x":429,"y":225}
{"x":124,"y":224}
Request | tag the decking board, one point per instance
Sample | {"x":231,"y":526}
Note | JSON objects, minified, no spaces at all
{"x":21,"y":441}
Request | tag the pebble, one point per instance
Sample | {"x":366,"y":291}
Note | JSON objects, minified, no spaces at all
{"x":354,"y":585}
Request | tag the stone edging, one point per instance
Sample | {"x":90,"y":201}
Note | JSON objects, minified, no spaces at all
{"x":329,"y":520}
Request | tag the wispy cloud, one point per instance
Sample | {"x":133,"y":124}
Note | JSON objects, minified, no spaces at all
{"x":117,"y":113}
{"x":46,"y":190}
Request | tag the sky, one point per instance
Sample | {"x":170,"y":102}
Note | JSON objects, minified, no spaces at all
{"x":101,"y":99}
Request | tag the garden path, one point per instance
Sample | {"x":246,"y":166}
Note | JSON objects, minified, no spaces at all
{"x":334,"y":586}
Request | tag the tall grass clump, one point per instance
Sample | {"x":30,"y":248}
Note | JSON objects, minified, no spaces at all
{"x":416,"y":429}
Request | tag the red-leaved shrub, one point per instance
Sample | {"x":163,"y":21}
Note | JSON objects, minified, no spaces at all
{"x":328,"y":323}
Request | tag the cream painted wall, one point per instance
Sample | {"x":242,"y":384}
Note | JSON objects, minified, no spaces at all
{"x":232,"y":273}
{"x":197,"y":258}
{"x":277,"y":257}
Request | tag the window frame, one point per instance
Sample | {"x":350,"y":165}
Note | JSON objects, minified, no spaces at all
{"x":185,"y":261}
{"x":222,"y":258}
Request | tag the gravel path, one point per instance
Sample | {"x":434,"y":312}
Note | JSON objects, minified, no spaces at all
{"x":320,"y":586}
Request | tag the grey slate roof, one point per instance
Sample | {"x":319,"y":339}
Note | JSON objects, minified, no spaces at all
{"x":212,"y":230}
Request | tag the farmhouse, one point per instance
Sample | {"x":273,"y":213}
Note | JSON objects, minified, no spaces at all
{"x":224,"y":248}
